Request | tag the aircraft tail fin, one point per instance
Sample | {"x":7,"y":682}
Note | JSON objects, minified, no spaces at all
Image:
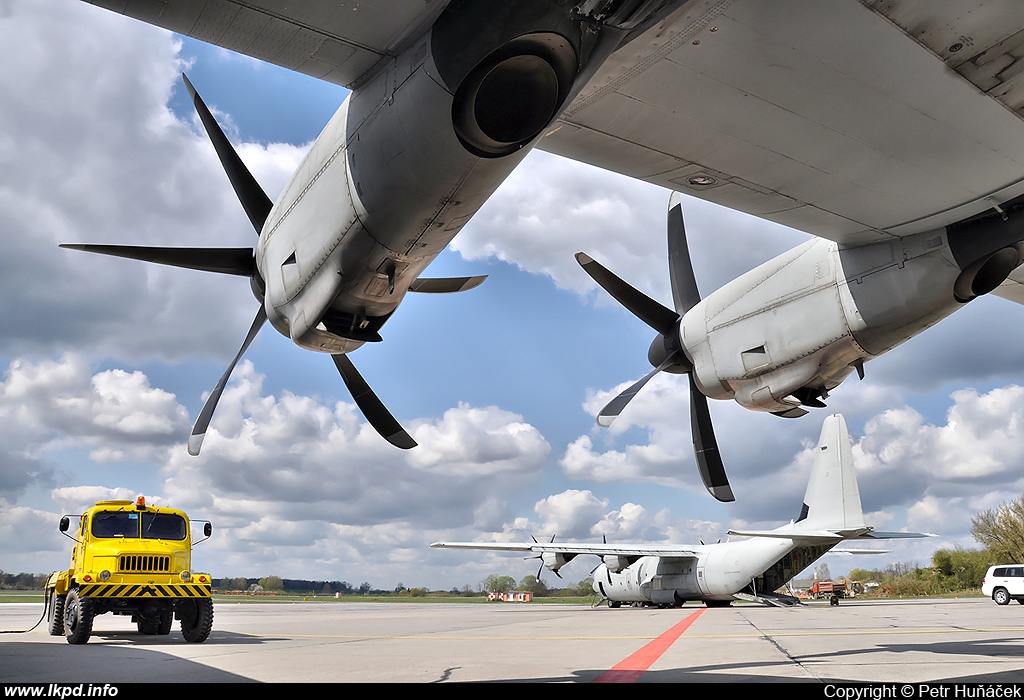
{"x":832,"y":500}
{"x":832,"y":509}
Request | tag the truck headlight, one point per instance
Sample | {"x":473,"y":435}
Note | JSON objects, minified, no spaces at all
{"x":186,"y":576}
{"x":104,"y":575}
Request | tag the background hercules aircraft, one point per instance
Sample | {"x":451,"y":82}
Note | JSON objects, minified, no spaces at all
{"x":750,"y":569}
{"x":891,"y":131}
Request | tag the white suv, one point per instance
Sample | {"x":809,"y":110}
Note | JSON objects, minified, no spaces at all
{"x":1004,"y":582}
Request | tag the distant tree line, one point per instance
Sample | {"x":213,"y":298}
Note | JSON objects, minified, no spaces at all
{"x":289,"y":585}
{"x":22,"y":582}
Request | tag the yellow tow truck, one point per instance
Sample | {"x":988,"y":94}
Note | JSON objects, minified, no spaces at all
{"x":131,"y":559}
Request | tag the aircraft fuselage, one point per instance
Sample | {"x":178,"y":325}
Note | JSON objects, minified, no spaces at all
{"x":718,"y":573}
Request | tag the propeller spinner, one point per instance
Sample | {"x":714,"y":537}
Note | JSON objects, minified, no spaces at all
{"x":667,"y":353}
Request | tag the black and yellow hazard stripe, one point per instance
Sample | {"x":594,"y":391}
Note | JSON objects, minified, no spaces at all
{"x":144,"y":590}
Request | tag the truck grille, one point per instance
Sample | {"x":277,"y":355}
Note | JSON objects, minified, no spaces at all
{"x":144,"y":562}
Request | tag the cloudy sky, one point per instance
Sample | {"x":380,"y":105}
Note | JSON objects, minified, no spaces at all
{"x":106,"y":362}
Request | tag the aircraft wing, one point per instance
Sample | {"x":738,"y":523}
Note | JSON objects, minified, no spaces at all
{"x":601,"y":550}
{"x":854,"y":120}
{"x":340,"y":42}
{"x":1013,"y":287}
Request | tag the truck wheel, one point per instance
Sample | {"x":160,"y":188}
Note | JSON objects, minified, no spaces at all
{"x":56,"y":614}
{"x":196,"y":619}
{"x":78,"y":616}
{"x":1001,"y":596}
{"x":158,"y":623}
{"x":166,"y":618}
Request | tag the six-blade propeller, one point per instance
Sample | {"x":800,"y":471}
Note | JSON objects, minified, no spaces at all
{"x":667,"y":353}
{"x":241,"y":261}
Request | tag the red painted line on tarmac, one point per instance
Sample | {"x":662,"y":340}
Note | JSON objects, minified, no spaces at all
{"x":632,"y":667}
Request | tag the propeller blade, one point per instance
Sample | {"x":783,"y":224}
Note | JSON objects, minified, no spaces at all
{"x":445,"y":285}
{"x":685,"y":294}
{"x":658,"y":317}
{"x":254,"y":200}
{"x":376,"y":413}
{"x":614,"y":407}
{"x":705,"y":446}
{"x":227,"y":261}
{"x":195,"y":440}
{"x":540,"y":569}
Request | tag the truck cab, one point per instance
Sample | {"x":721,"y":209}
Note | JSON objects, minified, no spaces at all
{"x":133,"y":559}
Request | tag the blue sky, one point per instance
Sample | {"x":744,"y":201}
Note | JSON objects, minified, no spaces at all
{"x":106,"y":361}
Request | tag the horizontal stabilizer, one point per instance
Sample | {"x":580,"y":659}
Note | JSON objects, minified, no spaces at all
{"x":788,"y":533}
{"x":225,"y":261}
{"x":860,"y":551}
{"x":873,"y":535}
{"x":445,"y":285}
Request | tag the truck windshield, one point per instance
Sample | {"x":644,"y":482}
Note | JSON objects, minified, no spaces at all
{"x":124,"y":523}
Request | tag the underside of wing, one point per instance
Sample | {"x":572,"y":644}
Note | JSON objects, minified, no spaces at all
{"x":601,"y":550}
{"x":336,"y":42}
{"x":1013,"y":288}
{"x":854,"y":120}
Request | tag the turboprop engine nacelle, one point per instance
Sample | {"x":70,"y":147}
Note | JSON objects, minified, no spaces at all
{"x":786,"y":333}
{"x":616,"y":563}
{"x":380,"y":193}
{"x":553,"y":561}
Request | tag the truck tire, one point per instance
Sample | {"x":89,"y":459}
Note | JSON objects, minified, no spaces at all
{"x":196,"y":619}
{"x":55,"y":617}
{"x":1001,"y":596}
{"x":78,"y":616}
{"x":166,"y":618}
{"x":157,"y":623}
